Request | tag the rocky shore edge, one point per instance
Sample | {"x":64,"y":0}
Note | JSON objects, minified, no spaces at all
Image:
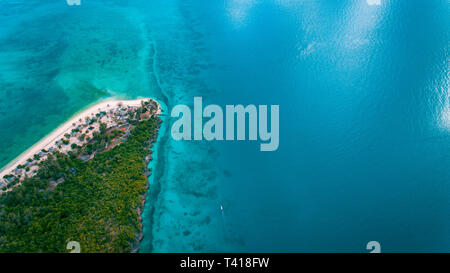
{"x":147,"y":172}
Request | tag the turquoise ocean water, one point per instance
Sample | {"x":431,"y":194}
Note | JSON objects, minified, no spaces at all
{"x":364,"y":103}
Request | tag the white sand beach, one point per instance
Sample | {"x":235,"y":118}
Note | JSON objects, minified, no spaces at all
{"x":49,"y":141}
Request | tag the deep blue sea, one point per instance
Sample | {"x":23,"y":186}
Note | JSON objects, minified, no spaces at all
{"x":363,"y":89}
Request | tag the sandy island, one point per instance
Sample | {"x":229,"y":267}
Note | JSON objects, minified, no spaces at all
{"x":49,"y":141}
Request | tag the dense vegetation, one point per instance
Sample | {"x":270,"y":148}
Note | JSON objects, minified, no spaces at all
{"x":96,"y":205}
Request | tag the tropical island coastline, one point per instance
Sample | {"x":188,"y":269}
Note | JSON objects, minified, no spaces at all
{"x":86,"y":182}
{"x":55,"y":138}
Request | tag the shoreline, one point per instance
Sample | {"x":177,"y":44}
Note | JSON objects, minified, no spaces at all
{"x":136,"y":246}
{"x":66,"y":127}
{"x":151,"y":196}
